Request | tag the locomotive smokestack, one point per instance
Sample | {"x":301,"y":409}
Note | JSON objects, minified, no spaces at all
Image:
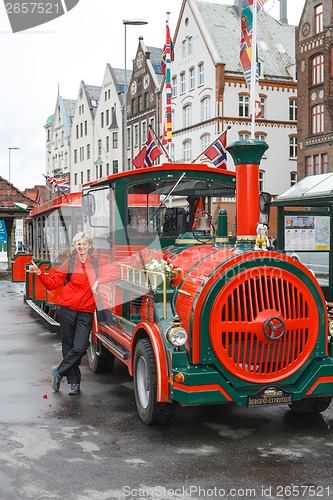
{"x":247,"y":156}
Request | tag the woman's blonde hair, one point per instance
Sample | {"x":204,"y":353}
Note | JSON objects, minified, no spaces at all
{"x":81,"y":235}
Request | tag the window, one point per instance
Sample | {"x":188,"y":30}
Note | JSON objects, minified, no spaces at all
{"x":88,"y":175}
{"x":174,"y":86}
{"x":183,"y":48}
{"x":75,"y":155}
{"x":308,"y":166}
{"x":77,"y":131}
{"x":201,"y":68}
{"x":99,"y":147}
{"x":263,"y":106}
{"x":101,"y":171}
{"x":107,"y":143}
{"x":293,"y":109}
{"x":107,"y":117}
{"x":182,"y":83}
{"x":85,"y":127}
{"x":190,"y":45}
{"x":144,"y":131}
{"x":293,"y":178}
{"x":204,"y":142}
{"x":115,"y":140}
{"x":81,"y":129}
{"x":108,"y":169}
{"x":205,"y":109}
{"x":88,"y":151}
{"x":244,"y":105}
{"x":261,"y":180}
{"x":75,"y":179}
{"x":187,"y":150}
{"x":81,"y":177}
{"x":192,"y":78}
{"x":293,"y":146}
{"x":115,"y":166}
{"x":316,"y":164}
{"x":102,"y":120}
{"x":317,"y":69}
{"x":82,"y":153}
{"x":133,"y":106}
{"x":317,"y":114}
{"x":146,"y":100}
{"x":187,"y":115}
{"x":136,"y":135}
{"x":244,"y":136}
{"x":318,"y":18}
{"x":140,"y":103}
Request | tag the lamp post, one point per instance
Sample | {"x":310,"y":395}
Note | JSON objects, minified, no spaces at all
{"x":126,"y":22}
{"x":9,"y":150}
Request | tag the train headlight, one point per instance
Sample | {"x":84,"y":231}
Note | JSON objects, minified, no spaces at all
{"x":175,"y":334}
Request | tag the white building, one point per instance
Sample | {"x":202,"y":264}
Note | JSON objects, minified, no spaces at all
{"x":210,"y":92}
{"x":58,"y":132}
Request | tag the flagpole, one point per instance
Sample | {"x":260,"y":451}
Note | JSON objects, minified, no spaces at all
{"x":204,"y":151}
{"x":253,"y":69}
{"x":160,"y":144}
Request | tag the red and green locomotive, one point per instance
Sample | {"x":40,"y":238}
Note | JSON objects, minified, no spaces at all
{"x":195,"y":318}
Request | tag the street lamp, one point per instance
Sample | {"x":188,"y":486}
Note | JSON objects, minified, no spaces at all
{"x":126,"y":22}
{"x":9,"y":150}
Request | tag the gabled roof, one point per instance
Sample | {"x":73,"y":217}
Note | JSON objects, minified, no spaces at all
{"x":156,"y":59}
{"x":9,"y":195}
{"x":119,"y":75}
{"x":220,"y":28}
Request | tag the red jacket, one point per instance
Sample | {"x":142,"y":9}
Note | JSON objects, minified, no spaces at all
{"x":77,"y":294}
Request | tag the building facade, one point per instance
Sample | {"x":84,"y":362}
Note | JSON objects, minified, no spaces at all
{"x":210,"y":92}
{"x":314,"y":54}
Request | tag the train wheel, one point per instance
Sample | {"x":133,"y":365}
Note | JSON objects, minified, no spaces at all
{"x":311,"y":405}
{"x":149,"y":409}
{"x":100,"y":359}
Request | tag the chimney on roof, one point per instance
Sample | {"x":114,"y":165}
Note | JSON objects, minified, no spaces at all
{"x":283,"y":12}
{"x":238,"y":6}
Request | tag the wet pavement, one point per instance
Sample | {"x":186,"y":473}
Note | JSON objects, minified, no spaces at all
{"x":94,"y":447}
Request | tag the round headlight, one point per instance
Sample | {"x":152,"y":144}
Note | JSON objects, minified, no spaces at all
{"x":176,"y":335}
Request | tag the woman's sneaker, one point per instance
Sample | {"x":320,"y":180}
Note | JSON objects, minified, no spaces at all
{"x":74,"y":389}
{"x":56,"y":379}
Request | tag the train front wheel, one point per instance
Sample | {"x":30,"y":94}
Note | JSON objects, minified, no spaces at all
{"x":311,"y":405}
{"x":150,"y":411}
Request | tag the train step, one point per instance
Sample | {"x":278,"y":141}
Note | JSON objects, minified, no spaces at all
{"x":42,"y":313}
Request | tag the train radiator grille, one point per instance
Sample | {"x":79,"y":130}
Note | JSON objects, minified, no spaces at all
{"x":264,"y":327}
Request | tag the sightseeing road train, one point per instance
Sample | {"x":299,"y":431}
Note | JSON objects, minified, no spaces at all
{"x":196,"y":318}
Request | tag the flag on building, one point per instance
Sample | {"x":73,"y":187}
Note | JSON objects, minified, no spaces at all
{"x":169,"y":56}
{"x":165,"y":49}
{"x":61,"y":184}
{"x":39,"y":197}
{"x":248,"y":48}
{"x":148,"y":154}
{"x":217,"y":152}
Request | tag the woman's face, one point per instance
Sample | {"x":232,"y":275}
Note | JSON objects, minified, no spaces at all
{"x":82,"y":247}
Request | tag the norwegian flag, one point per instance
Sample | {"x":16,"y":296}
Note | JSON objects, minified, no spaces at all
{"x":148,"y":154}
{"x":217,"y":152}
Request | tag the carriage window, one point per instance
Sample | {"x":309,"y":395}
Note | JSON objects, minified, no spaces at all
{"x":96,"y":206}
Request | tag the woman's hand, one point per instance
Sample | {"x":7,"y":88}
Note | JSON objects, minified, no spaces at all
{"x":34,"y":269}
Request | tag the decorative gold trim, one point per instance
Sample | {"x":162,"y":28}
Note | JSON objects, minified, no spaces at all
{"x":183,"y":292}
{"x":181,"y":242}
{"x":222,"y":240}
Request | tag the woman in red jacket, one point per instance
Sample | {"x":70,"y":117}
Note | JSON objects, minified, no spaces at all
{"x":79,"y":276}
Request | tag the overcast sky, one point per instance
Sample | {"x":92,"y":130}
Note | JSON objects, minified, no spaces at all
{"x":74,"y":47}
